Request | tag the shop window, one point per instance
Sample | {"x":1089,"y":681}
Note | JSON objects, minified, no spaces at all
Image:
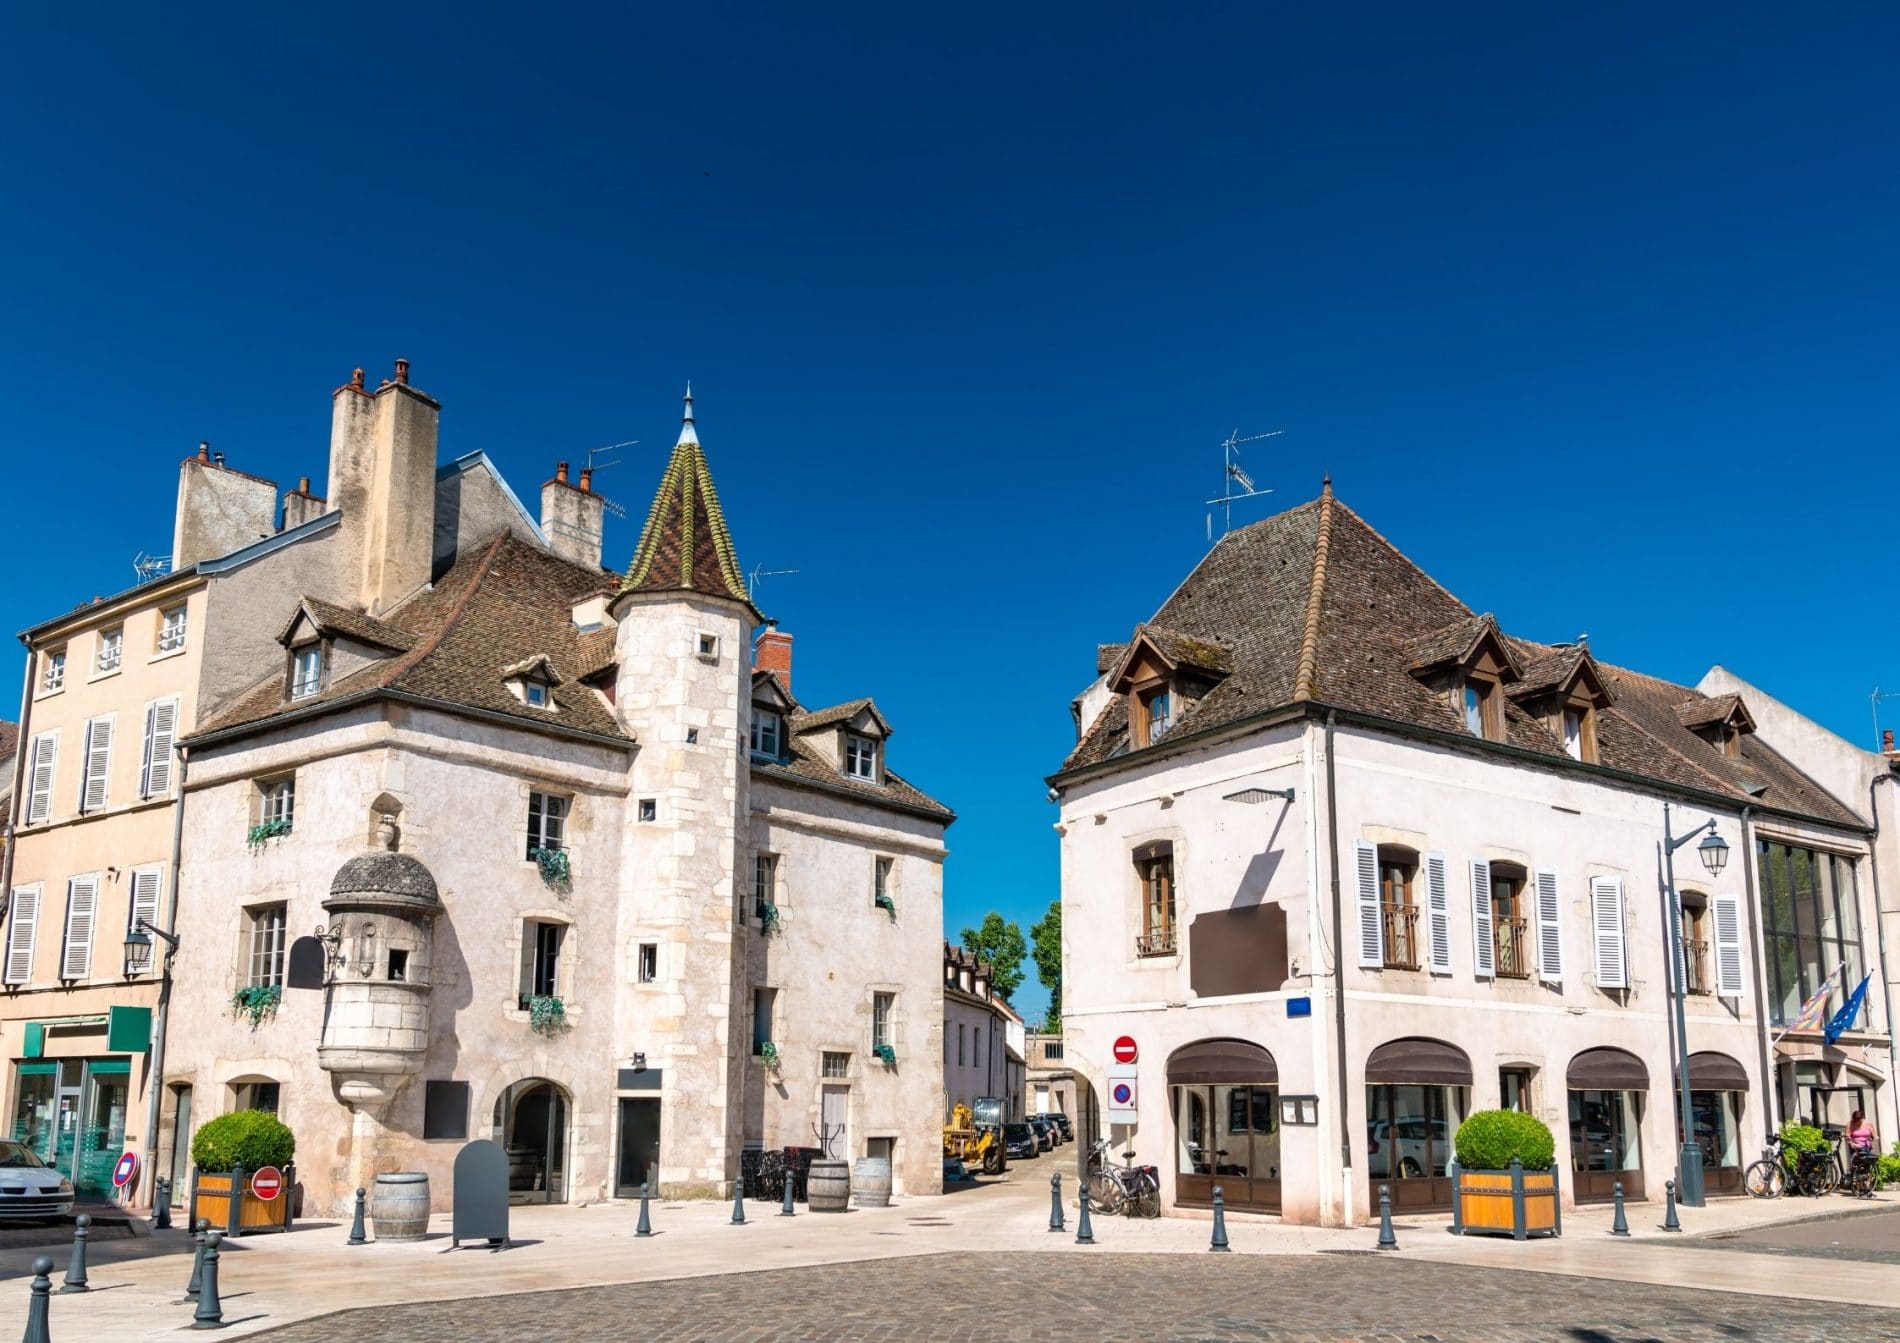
{"x":1810,"y":918}
{"x":1605,"y":1135}
{"x":1409,"y":1132}
{"x":1717,"y":1130}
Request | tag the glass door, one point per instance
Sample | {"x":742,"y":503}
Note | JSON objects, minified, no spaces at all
{"x":66,"y":1117}
{"x":181,"y":1143}
{"x":33,"y":1108}
{"x":102,"y":1127}
{"x":1605,"y":1144}
{"x":639,"y":1145}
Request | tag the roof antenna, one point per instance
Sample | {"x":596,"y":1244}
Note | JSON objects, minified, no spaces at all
{"x":592,"y":466}
{"x":1876,"y":697}
{"x":148,"y":567}
{"x":1234,"y":475}
{"x":760,"y":571}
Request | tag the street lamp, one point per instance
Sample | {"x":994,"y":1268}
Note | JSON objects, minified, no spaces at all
{"x":1714,"y":851}
{"x":138,"y":947}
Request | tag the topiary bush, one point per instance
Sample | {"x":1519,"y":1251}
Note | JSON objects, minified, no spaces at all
{"x":1490,"y":1138}
{"x":1797,"y":1138}
{"x":252,"y":1139}
{"x":1888,"y":1171}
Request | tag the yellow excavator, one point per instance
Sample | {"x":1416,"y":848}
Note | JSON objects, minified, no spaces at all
{"x":975,"y":1137}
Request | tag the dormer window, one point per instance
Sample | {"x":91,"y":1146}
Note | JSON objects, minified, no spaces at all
{"x":532,"y":682}
{"x":1483,"y":707}
{"x":860,"y":757}
{"x":536,"y":693}
{"x":1157,"y":710}
{"x":768,"y":733}
{"x":306,"y":671}
{"x":1573,"y":733}
{"x":1722,"y":722}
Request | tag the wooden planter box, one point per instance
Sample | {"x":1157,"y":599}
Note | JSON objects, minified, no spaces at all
{"x":1515,"y":1202}
{"x":247,"y":1213}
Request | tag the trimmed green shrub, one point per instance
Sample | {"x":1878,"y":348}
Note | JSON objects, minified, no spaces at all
{"x":1889,"y":1169}
{"x":1490,"y":1138}
{"x":1796,"y":1138}
{"x":252,"y":1139}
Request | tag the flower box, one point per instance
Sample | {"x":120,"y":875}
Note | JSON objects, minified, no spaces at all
{"x":1517,"y":1203}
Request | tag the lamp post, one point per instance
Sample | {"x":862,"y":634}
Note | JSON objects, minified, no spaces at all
{"x":1714,"y":851}
{"x":138,"y":948}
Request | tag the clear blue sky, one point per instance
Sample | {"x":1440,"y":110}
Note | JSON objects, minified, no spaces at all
{"x":1591,"y":312}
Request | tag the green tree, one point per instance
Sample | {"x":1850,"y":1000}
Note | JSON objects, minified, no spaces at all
{"x":1045,"y":943}
{"x":1000,"y":942}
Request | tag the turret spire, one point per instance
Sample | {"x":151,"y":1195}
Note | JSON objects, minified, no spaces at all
{"x":684,"y":545}
{"x":687,"y":433}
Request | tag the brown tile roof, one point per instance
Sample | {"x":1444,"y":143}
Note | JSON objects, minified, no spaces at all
{"x":498,"y":606}
{"x":1107,"y":655}
{"x":804,"y":764}
{"x":360,"y":626}
{"x":837,"y":713}
{"x":1701,"y":712}
{"x":684,"y":544}
{"x":594,"y":653}
{"x":1318,"y":607}
{"x":9,"y":740}
{"x":1183,"y":649}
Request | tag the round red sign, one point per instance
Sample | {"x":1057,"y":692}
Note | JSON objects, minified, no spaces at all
{"x":267,"y":1183}
{"x":127,"y":1167}
{"x":1125,"y":1049}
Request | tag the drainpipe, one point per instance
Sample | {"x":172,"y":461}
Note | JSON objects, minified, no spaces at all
{"x":20,"y":748}
{"x":157,"y":1077}
{"x":1339,"y":972}
{"x":1880,"y":932}
{"x":1770,"y":1107}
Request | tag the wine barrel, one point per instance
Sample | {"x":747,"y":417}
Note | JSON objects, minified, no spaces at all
{"x":871,"y":1182}
{"x":400,"y":1206}
{"x":828,"y":1186}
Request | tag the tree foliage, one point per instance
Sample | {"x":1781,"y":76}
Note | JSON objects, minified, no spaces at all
{"x":1045,"y":941}
{"x":1000,"y":942}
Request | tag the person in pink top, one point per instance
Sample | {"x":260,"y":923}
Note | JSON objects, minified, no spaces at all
{"x":1860,"y":1133}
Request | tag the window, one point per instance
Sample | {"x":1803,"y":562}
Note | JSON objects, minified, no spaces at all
{"x":306,"y":671}
{"x":1695,"y":942}
{"x":764,"y":883}
{"x":708,"y":646}
{"x":95,"y":787}
{"x":1514,"y":1089}
{"x":962,"y":1038}
{"x":547,"y":822}
{"x":111,"y":650}
{"x":21,"y":926}
{"x":1398,"y":916}
{"x":1510,"y":925}
{"x":762,"y":1018}
{"x":1158,"y":708}
{"x":445,"y":1110}
{"x":836,"y":1064}
{"x":768,"y":730}
{"x":1810,"y":926}
{"x":1052,"y":1051}
{"x":143,"y":908}
{"x":53,"y":671}
{"x":155,"y":764}
{"x":1482,"y":707}
{"x":649,"y":809}
{"x":268,"y":923}
{"x":39,"y":797}
{"x":541,"y":960}
{"x":1154,"y":866}
{"x":265,"y":1096}
{"x":171,"y":629}
{"x":536,"y":694}
{"x":1474,"y":709}
{"x":649,"y":962}
{"x":692,"y":736}
{"x":883,"y":1021}
{"x":860,"y":757}
{"x":881,"y":883}
{"x":398,"y":965}
{"x":277,"y":803}
{"x":82,"y":917}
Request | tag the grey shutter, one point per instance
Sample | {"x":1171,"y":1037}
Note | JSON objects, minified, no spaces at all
{"x":161,"y":729}
{"x":1371,"y":933}
{"x":1484,"y":961}
{"x":1438,"y":914}
{"x":26,"y":921}
{"x":1550,"y":935}
{"x":1606,"y":923}
{"x":39,"y":801}
{"x":98,"y":764}
{"x":82,"y":908}
{"x":1728,"y":946}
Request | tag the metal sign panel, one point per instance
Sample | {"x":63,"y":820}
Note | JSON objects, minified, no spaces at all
{"x":1125,"y":1049}
{"x":481,"y":1195}
{"x":308,"y":959}
{"x":1124,"y":1095}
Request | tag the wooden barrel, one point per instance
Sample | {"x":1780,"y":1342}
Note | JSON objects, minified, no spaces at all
{"x":400,"y":1206}
{"x":828,"y":1186}
{"x":871,"y":1182}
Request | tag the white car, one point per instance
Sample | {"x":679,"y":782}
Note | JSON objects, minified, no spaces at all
{"x":29,"y":1187}
{"x":1423,"y":1146}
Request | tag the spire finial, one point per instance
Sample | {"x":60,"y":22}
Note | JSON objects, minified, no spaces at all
{"x":687,"y":432}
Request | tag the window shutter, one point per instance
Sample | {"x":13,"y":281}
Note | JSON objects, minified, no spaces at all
{"x":82,"y":904}
{"x":161,"y":727}
{"x":98,"y":764}
{"x":39,"y":802}
{"x":26,"y":920}
{"x":1550,"y":940}
{"x":1728,"y":946}
{"x":1606,"y":920}
{"x":1371,"y":934}
{"x":145,"y":889}
{"x":1438,"y":913}
{"x":1483,"y":939}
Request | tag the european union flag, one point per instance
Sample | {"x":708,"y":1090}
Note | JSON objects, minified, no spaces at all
{"x":1844,"y":1019}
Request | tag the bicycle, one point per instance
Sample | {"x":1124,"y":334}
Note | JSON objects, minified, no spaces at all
{"x":1768,"y":1177}
{"x":1863,"y":1173}
{"x":1816,"y":1174}
{"x":1128,"y":1189}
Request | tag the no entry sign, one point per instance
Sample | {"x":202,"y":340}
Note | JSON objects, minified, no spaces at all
{"x":267,"y":1183}
{"x":128,"y":1167}
{"x":1125,"y":1051}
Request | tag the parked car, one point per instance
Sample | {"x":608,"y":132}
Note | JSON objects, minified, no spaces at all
{"x":1423,"y":1147}
{"x":29,"y":1187}
{"x":1061,"y":1121}
{"x":1019,"y":1140}
{"x":1044,"y":1142}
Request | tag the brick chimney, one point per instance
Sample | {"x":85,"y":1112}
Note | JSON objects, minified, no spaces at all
{"x":219,"y":509}
{"x":773,"y":653}
{"x":382,"y":479}
{"x":571,"y":517}
{"x":1886,"y":740}
{"x":300,"y":505}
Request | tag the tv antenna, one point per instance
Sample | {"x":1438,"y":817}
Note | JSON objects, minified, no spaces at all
{"x":1876,"y":697}
{"x":1234,"y":475}
{"x":758,"y":572}
{"x":592,"y":465}
{"x":148,"y":567}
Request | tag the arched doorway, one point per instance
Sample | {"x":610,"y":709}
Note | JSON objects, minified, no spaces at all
{"x":1608,"y":1089}
{"x":1417,"y":1091}
{"x":531,"y":1117}
{"x":1225,"y":1098}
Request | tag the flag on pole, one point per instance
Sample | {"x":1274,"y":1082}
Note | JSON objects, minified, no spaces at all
{"x":1814,"y":1010}
{"x":1844,"y":1019}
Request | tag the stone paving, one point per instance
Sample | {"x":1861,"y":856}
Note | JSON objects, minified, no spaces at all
{"x":980,"y":1297}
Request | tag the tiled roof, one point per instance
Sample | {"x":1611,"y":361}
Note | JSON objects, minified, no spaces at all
{"x":1183,"y":649}
{"x":684,"y":545}
{"x":837,"y":713}
{"x":1107,"y":655}
{"x":9,"y":740}
{"x":499,"y":606}
{"x":594,"y":653}
{"x":363,"y":628}
{"x":1317,"y":607}
{"x":1701,"y":712}
{"x":805,"y":765}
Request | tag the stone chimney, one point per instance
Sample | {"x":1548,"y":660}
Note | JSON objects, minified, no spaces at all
{"x":219,"y":509}
{"x":1886,"y":740}
{"x":571,"y":517}
{"x":773,"y":653}
{"x":382,"y":479}
{"x":300,"y":505}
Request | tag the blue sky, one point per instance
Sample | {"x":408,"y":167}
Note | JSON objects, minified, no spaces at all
{"x":1590,"y":312}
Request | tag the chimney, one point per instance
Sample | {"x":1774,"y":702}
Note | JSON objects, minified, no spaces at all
{"x":1886,"y":740}
{"x":382,"y":479}
{"x":571,"y":518}
{"x":219,"y":510}
{"x":300,"y":505}
{"x":773,"y":653}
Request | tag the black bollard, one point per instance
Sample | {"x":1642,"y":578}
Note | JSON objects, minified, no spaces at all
{"x":36,"y":1310}
{"x":161,"y":1204}
{"x":76,"y":1271}
{"x":197,"y":1259}
{"x":1055,"y":1202}
{"x":1219,"y":1244}
{"x":646,"y":1226}
{"x":1084,"y":1233}
{"x":210,"y":1312}
{"x":1619,"y":1225}
{"x":785,"y":1208}
{"x":1387,"y":1241}
{"x":1669,"y":1207}
{"x":738,"y":1203}
{"x":356,"y":1224}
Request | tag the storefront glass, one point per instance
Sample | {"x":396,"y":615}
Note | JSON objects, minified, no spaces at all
{"x":1409,"y":1130}
{"x":1716,"y":1129}
{"x":1230,"y":1136}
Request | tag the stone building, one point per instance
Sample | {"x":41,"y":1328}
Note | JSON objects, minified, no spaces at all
{"x":587,"y":877}
{"x":976,"y":1027}
{"x":1048,"y":1082}
{"x":1346,"y":861}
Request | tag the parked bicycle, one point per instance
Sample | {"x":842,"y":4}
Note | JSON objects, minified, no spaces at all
{"x":1767,"y":1178}
{"x":1128,"y":1189}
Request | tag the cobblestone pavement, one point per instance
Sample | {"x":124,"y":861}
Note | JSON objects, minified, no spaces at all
{"x":1041,"y":1298}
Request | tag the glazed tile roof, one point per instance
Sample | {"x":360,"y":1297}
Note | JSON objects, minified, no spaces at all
{"x":1318,"y":608}
{"x":684,"y":545}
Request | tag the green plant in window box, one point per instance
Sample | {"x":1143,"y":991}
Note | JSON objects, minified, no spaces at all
{"x":768,"y":919}
{"x":547,"y":1014}
{"x":887,"y":1054}
{"x":885,"y":903}
{"x":768,"y":1053}
{"x":265,"y":831}
{"x":257,"y":1001}
{"x":556,"y":871}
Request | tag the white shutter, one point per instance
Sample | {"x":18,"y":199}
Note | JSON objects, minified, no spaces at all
{"x":82,"y":907}
{"x":26,"y":921}
{"x":1371,"y":932}
{"x":98,"y":764}
{"x":39,"y":800}
{"x":1606,"y":923}
{"x":1550,"y":938}
{"x":1438,"y":914}
{"x":1728,"y":946}
{"x":161,"y":727}
{"x":146,"y":885}
{"x":1484,"y":961}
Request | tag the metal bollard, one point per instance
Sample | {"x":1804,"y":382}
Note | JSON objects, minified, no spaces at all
{"x":1669,"y":1207}
{"x":1219,"y":1244}
{"x":1055,"y":1202}
{"x":1387,"y":1241}
{"x":738,"y":1203}
{"x":356,"y":1223}
{"x":785,"y":1208}
{"x":42,"y":1300}
{"x":1619,"y":1225}
{"x":76,"y":1271}
{"x":210,"y":1312}
{"x":161,"y":1204}
{"x":1084,"y":1233}
{"x":646,"y":1226}
{"x":197,"y":1259}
